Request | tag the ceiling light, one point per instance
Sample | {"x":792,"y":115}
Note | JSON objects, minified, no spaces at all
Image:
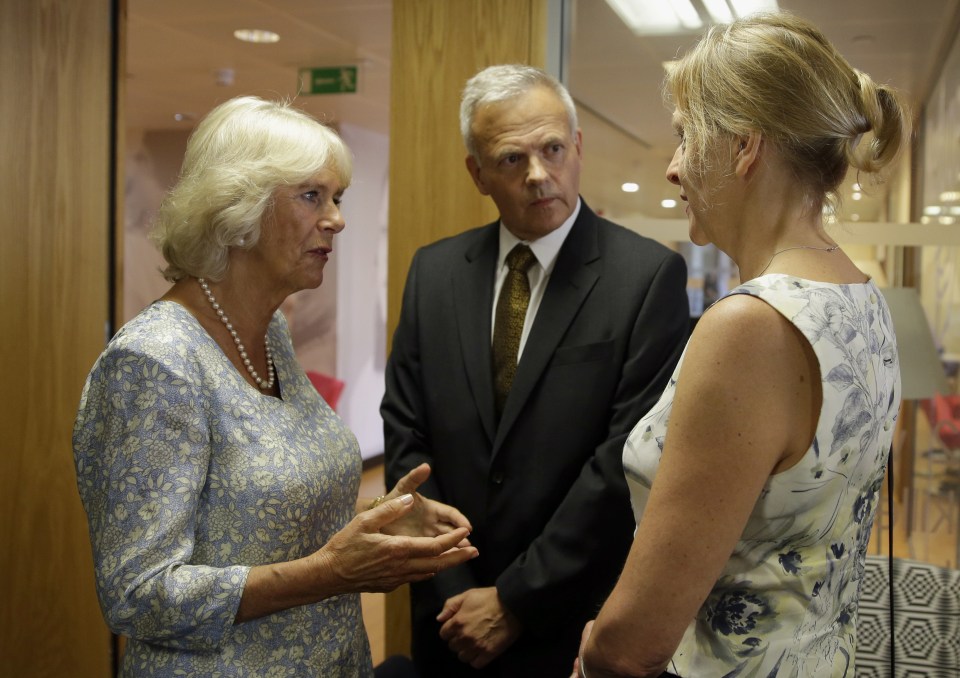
{"x":857,"y":188}
{"x":646,"y":17}
{"x":854,"y":217}
{"x":719,"y":11}
{"x":651,"y":17}
{"x":946,"y":221}
{"x":181,"y":117}
{"x":955,"y":210}
{"x":745,"y":7}
{"x":687,"y":14}
{"x":630,"y":187}
{"x":932,"y":210}
{"x":255,"y":35}
{"x":950,"y":196}
{"x":924,"y":220}
{"x":668,"y":203}
{"x":857,"y":196}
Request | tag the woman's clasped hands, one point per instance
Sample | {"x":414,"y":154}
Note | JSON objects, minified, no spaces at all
{"x":405,"y":538}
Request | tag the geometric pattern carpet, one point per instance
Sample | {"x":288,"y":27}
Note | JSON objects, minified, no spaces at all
{"x":926,"y":621}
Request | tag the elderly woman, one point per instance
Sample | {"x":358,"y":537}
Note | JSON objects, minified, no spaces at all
{"x":221,"y":490}
{"x":754,"y":479}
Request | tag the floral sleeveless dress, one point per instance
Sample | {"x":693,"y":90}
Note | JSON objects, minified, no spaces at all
{"x":786,"y":602}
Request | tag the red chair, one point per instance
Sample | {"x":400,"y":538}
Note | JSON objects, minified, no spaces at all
{"x":328,"y":387}
{"x":943,"y":412}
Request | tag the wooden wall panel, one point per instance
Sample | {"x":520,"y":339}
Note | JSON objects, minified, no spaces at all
{"x":55,"y":78}
{"x":437,"y":45}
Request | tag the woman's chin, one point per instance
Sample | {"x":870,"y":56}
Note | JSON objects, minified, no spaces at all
{"x":697,"y":236}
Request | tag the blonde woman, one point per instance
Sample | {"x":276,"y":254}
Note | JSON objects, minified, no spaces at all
{"x":221,"y":490}
{"x":754,"y":479}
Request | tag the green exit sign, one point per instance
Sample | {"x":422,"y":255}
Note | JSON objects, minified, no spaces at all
{"x":334,"y":80}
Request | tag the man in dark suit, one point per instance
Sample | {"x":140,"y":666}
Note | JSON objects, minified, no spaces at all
{"x":532,"y":458}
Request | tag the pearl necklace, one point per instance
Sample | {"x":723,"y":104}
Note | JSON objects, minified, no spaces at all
{"x":263,"y":384}
{"x":832,"y":248}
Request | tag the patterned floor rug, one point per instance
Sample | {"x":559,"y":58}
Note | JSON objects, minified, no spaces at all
{"x":926,"y":629}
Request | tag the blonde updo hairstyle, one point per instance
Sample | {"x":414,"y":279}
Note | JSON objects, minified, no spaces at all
{"x":238,"y":155}
{"x":776,"y":74}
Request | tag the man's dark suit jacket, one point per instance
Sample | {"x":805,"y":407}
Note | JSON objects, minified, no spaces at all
{"x":543,"y":488}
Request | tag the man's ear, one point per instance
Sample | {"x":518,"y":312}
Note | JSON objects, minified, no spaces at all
{"x":474,"y":168}
{"x":747,"y":153}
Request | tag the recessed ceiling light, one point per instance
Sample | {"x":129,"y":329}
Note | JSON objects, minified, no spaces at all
{"x":854,"y":217}
{"x":947,"y":221}
{"x":857,"y":196}
{"x":932,"y":210}
{"x":857,"y":188}
{"x":950,"y":196}
{"x":630,"y":187}
{"x":668,"y":203}
{"x":255,"y":35}
{"x":924,"y":220}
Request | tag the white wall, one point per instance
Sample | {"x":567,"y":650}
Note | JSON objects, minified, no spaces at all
{"x":362,"y":288}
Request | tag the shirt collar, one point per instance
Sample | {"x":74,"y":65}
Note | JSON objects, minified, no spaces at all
{"x":545,"y":249}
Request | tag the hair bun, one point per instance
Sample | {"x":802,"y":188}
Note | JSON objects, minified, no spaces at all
{"x":886,"y":126}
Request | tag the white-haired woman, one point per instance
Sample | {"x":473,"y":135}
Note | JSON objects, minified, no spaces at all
{"x":221,"y":491}
{"x":755,"y":477}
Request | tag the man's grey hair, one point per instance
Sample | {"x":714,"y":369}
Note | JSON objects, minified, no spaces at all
{"x":502,"y":83}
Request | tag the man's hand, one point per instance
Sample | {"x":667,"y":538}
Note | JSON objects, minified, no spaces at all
{"x":477,"y":627}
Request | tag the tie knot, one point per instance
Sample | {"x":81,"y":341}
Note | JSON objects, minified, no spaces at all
{"x":520,"y":258}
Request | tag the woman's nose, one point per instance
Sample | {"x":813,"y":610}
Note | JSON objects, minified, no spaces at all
{"x":333,"y":220}
{"x":673,"y":169}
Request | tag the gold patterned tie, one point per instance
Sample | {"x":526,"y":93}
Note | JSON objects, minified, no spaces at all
{"x":508,"y":322}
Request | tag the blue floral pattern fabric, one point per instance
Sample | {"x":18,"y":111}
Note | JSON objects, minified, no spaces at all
{"x":786,"y":601}
{"x":190,"y":476}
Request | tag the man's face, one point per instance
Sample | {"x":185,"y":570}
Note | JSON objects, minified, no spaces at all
{"x":529,"y":161}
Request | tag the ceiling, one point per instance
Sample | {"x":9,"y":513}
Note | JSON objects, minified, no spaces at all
{"x":176,"y":48}
{"x":177,"y":52}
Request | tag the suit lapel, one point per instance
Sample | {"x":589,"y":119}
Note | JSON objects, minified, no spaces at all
{"x":473,"y":297}
{"x":571,"y":281}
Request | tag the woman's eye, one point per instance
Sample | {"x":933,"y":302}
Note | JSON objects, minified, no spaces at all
{"x":310,"y":195}
{"x":338,"y":200}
